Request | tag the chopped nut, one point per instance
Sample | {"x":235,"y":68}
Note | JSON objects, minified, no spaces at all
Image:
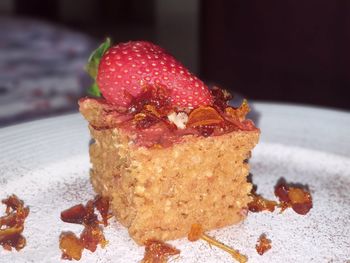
{"x":158,"y":252}
{"x":71,"y":246}
{"x":92,"y":235}
{"x":263,"y":244}
{"x":239,"y":113}
{"x":204,"y":116}
{"x":259,"y":204}
{"x":297,"y":198}
{"x":12,"y":224}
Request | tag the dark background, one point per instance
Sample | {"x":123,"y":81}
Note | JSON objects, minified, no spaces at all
{"x":289,"y":51}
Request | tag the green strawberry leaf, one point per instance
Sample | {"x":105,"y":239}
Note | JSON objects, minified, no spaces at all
{"x":94,"y":90}
{"x":95,"y":57}
{"x":92,"y":65}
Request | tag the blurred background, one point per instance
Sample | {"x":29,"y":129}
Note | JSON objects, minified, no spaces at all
{"x":280,"y":51}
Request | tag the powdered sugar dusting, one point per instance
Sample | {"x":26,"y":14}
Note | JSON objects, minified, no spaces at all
{"x":320,"y":236}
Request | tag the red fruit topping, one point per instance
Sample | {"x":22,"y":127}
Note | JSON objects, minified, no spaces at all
{"x":157,"y":97}
{"x":127,"y":68}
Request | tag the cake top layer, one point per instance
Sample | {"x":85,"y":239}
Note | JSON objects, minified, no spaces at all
{"x":149,"y":122}
{"x":153,"y":99}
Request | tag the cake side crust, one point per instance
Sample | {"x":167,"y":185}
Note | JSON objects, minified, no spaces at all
{"x":159,"y":193}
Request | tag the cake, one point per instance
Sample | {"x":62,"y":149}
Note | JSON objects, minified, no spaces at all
{"x":167,"y":151}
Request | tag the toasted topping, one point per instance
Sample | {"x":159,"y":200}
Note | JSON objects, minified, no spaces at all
{"x":158,"y":252}
{"x":259,"y":204}
{"x":150,"y":121}
{"x":76,"y":214}
{"x":240,"y":113}
{"x":204,"y":116}
{"x":92,"y":235}
{"x":12,"y":224}
{"x":297,"y":198}
{"x":263,"y":244}
{"x":221,"y":98}
{"x":71,"y":246}
{"x":197,"y":233}
{"x":102,"y":205}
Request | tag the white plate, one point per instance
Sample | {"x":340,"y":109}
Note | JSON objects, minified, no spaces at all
{"x":46,"y":164}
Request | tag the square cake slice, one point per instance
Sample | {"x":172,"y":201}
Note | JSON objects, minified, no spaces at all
{"x":168,"y":151}
{"x":159,"y":192}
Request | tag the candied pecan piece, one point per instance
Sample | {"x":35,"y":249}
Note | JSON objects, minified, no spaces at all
{"x":263,"y":244}
{"x":239,"y":113}
{"x":204,"y":116}
{"x":12,"y":224}
{"x":300,"y":200}
{"x":71,"y":246}
{"x":158,"y":252}
{"x":12,"y":202}
{"x":92,"y":236}
{"x":297,"y":198}
{"x":259,"y":204}
{"x":281,"y":191}
{"x":102,"y":205}
{"x":75,"y":214}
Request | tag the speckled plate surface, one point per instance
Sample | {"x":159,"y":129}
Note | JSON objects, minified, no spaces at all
{"x":46,"y":164}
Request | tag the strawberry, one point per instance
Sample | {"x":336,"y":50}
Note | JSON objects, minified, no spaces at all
{"x":127,"y":68}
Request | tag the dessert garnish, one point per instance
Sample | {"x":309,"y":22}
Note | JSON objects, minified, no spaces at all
{"x":124,"y":70}
{"x":151,"y":96}
{"x":92,"y":66}
{"x":158,"y":252}
{"x":197,"y":233}
{"x":263,"y":244}
{"x":12,"y":224}
{"x":297,"y":198}
{"x":259,"y":203}
{"x":92,"y":235}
